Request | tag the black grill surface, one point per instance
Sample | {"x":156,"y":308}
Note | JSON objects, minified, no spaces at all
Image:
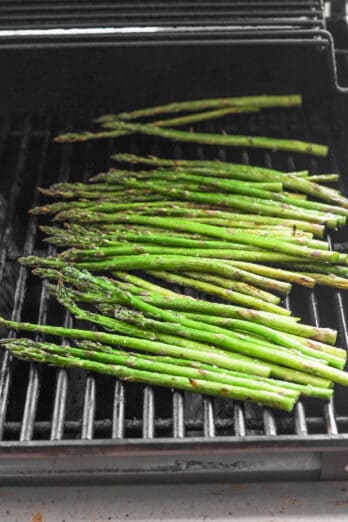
{"x":29,"y":14}
{"x":43,"y":403}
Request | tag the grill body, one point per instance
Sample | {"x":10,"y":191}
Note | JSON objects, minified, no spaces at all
{"x":70,"y":426}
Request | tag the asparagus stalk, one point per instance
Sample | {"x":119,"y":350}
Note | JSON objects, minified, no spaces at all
{"x":332,"y":280}
{"x":292,"y":100}
{"x":226,"y":139}
{"x":307,"y":390}
{"x":293,"y":181}
{"x":108,"y":254}
{"x":218,"y":168}
{"x":280,"y":338}
{"x":108,"y":355}
{"x":238,"y":187}
{"x":166,"y":334}
{"x":165,"y":298}
{"x":242,"y":203}
{"x":238,"y":286}
{"x":295,"y":378}
{"x":143,"y":345}
{"x":171,"y":122}
{"x":280,"y":323}
{"x":87,"y":240}
{"x":160,"y":379}
{"x":217,"y":336}
{"x":192,"y":118}
{"x":106,"y":206}
{"x":291,"y":360}
{"x":213,"y":231}
{"x":228,"y":295}
{"x":151,"y":325}
{"x":276,"y":273}
{"x":152,"y":262}
{"x":324,"y":178}
{"x":286,"y":344}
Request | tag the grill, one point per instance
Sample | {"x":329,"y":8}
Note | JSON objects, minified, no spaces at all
{"x":60,"y":14}
{"x":70,"y":425}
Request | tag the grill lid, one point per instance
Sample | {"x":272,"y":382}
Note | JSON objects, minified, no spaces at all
{"x":43,"y":15}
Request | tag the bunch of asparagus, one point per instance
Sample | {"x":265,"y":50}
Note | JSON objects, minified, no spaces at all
{"x":116,"y":125}
{"x":241,"y":233}
{"x":236,"y":238}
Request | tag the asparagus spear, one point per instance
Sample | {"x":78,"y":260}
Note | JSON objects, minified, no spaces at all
{"x":238,"y":286}
{"x":226,"y":139}
{"x":143,"y":345}
{"x":332,"y":280}
{"x":290,"y":360}
{"x":219,"y":232}
{"x":85,"y":240}
{"x":164,"y":298}
{"x":192,"y":118}
{"x":219,"y":338}
{"x":108,"y":254}
{"x":108,"y":355}
{"x":212,"y":289}
{"x":324,"y":178}
{"x":241,"y":203}
{"x":151,"y":377}
{"x":292,"y":100}
{"x":293,"y":181}
{"x":222,"y":310}
{"x":276,"y":273}
{"x":238,"y":187}
{"x":152,"y":262}
{"x":171,"y":122}
{"x":284,"y":344}
{"x":275,"y":336}
{"x":307,"y":390}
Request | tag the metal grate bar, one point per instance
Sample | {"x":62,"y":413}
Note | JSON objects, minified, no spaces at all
{"x":269,"y":422}
{"x":119,"y":403}
{"x":329,"y":407}
{"x":239,"y":420}
{"x":300,"y":419}
{"x":33,"y":386}
{"x":89,"y":407}
{"x":148,"y":413}
{"x":178,"y":415}
{"x":62,"y":382}
{"x":118,"y":425}
{"x":61,"y":392}
{"x":299,"y":411}
{"x":208,"y":417}
{"x":5,"y":372}
{"x":133,"y":427}
{"x":238,"y":412}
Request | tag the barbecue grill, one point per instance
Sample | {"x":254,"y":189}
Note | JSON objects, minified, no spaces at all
{"x":70,"y":425}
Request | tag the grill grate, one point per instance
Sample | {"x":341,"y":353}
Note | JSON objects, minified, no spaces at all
{"x":81,"y":14}
{"x":42,"y":403}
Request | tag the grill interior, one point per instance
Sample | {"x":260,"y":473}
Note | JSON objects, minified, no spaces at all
{"x":47,"y":88}
{"x":79,"y":13}
{"x":45,"y":403}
